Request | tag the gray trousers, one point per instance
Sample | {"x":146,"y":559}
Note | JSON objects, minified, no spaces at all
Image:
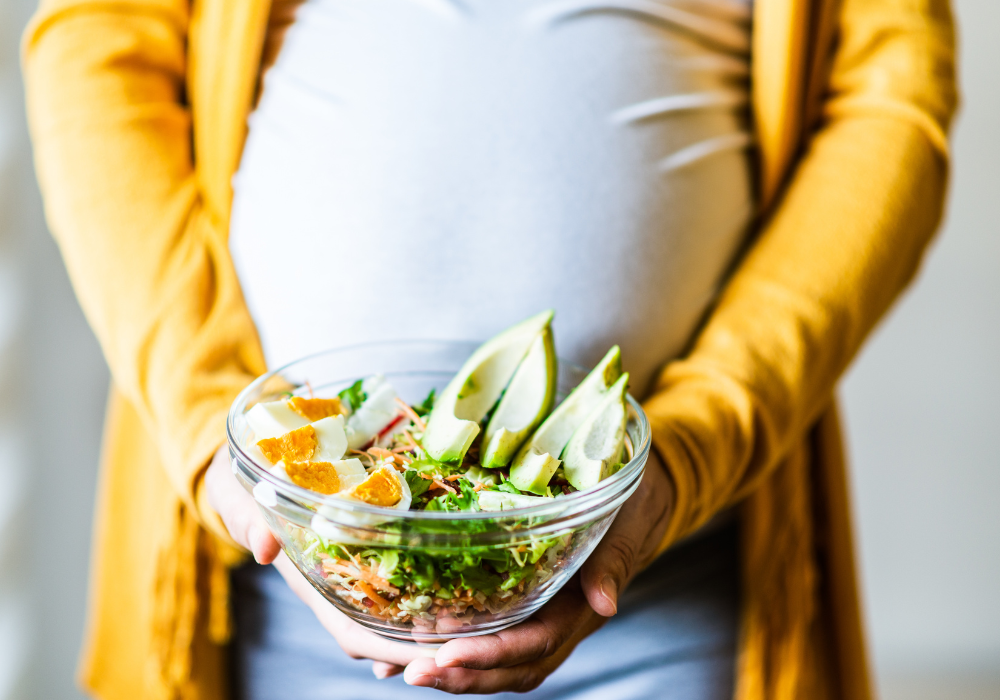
{"x":674,"y":637}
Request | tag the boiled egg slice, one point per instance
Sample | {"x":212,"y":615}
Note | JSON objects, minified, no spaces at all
{"x":347,"y":474}
{"x":378,"y":411}
{"x":273,"y":419}
{"x":331,"y":439}
{"x":384,"y":487}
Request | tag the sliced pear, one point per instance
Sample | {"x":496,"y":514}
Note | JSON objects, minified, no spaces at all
{"x":538,"y":459}
{"x":534,"y":472}
{"x":594,"y":452}
{"x":501,"y":500}
{"x":469,"y":396}
{"x":478,"y":475}
{"x":527,"y":400}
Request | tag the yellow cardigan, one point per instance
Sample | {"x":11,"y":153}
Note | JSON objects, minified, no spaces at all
{"x":138,"y":111}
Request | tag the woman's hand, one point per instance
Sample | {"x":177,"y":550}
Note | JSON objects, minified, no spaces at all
{"x":247,"y":527}
{"x":238,"y":510}
{"x":520,"y":658}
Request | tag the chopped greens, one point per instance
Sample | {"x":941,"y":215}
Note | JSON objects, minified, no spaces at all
{"x":509,"y":488}
{"x":353,"y":395}
{"x":478,"y":546}
{"x":415,"y":584}
{"x":417,"y":483}
{"x":463,"y":576}
{"x":465,"y":500}
{"x":427,"y":405}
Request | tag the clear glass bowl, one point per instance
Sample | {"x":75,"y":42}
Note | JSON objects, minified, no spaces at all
{"x":571,"y":525}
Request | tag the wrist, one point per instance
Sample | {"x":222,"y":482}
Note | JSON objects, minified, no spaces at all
{"x":207,"y":512}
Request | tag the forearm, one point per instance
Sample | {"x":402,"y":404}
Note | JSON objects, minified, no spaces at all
{"x":840,"y":246}
{"x":822,"y":274}
{"x":149,"y":264}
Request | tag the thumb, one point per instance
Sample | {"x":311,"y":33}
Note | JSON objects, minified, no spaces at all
{"x":239,"y":511}
{"x":611,"y":567}
{"x":630,"y":540}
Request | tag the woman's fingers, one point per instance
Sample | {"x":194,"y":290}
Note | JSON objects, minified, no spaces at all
{"x":520,"y":678}
{"x":521,"y":657}
{"x":238,"y":510}
{"x":383,"y":670}
{"x":631,"y":539}
{"x":610,"y":566}
{"x":424,"y":673}
{"x":537,"y":638}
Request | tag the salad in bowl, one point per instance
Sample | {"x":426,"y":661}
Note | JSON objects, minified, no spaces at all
{"x":433,"y":490}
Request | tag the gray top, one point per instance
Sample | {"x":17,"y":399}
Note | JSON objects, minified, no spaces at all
{"x":444,"y":168}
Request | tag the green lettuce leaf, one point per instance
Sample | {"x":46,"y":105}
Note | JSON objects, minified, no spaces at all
{"x":353,"y":396}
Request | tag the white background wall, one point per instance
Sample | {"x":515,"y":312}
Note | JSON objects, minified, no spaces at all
{"x":62,"y":384}
{"x":923,"y":414}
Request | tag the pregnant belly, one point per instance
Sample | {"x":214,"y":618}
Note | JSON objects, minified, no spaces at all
{"x":438,"y":168}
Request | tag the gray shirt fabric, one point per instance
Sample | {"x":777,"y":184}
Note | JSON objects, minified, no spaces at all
{"x":445,"y":168}
{"x":674,"y":637}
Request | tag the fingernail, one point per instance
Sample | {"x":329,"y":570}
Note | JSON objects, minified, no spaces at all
{"x":380,"y":672}
{"x":449,"y":663}
{"x":253,"y":536}
{"x":609,"y":589}
{"x":425,"y":681}
{"x":252,"y":542}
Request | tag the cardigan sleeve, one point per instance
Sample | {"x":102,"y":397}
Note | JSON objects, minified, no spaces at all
{"x":843,"y":241}
{"x":149,"y":262}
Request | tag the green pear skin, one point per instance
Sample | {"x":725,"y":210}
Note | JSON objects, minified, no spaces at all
{"x":538,"y":459}
{"x":594,"y":451}
{"x":475,"y":389}
{"x":525,"y":403}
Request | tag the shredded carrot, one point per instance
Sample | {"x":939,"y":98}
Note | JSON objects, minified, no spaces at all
{"x":479,"y":487}
{"x":443,"y":485}
{"x":411,"y":414}
{"x":363,"y":455}
{"x":381,"y":453}
{"x":453,"y":477}
{"x":381,"y":602}
{"x":412,"y":440}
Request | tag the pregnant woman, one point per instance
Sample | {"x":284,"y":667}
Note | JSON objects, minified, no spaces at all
{"x":733,"y":192}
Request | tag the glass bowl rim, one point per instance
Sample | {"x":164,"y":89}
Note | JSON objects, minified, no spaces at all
{"x":605,"y":490}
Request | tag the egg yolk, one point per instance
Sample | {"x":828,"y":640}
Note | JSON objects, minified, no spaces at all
{"x":295,"y":446}
{"x":320,"y":477}
{"x":381,"y":488}
{"x":315,"y":409}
